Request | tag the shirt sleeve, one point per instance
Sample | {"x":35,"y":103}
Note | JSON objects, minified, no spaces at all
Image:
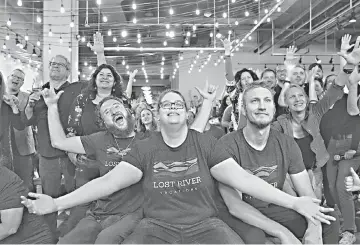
{"x":296,"y":162}
{"x":11,"y":188}
{"x":90,"y":143}
{"x":136,"y":155}
{"x":229,"y":144}
{"x":227,"y":114}
{"x":217,"y":152}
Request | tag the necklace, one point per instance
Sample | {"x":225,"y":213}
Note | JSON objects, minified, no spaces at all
{"x":123,"y":152}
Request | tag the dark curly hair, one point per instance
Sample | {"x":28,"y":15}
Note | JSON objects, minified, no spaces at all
{"x":238,"y":77}
{"x":91,"y":89}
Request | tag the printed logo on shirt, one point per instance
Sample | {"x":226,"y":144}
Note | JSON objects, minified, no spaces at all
{"x":175,"y":169}
{"x":117,"y":154}
{"x":267,"y":173}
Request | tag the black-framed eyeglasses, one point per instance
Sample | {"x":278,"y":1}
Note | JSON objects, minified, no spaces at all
{"x":176,"y":105}
{"x":51,"y":63}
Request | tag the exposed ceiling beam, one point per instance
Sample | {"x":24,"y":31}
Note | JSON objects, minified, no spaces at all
{"x":284,"y":29}
{"x":288,"y":43}
{"x":299,"y":27}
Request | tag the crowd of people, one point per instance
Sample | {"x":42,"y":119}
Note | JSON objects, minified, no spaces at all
{"x":274,"y":160}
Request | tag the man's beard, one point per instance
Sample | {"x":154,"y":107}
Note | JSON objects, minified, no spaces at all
{"x":259,"y":125}
{"x":123,"y":133}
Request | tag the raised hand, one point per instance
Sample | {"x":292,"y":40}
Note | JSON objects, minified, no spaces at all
{"x":227,"y":45}
{"x":310,"y":209}
{"x":43,"y":204}
{"x":133,"y":74}
{"x":50,"y":97}
{"x":98,"y":46}
{"x":290,"y":53}
{"x":345,"y":42}
{"x":354,"y":57}
{"x":352,"y":183}
{"x":209,"y":91}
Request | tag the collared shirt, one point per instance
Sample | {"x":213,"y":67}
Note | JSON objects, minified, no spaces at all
{"x":40,"y":119}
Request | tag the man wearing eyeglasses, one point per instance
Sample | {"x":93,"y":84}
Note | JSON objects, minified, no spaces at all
{"x":24,"y":146}
{"x":53,"y":163}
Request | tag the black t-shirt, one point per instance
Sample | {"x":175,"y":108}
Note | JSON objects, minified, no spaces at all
{"x":309,"y":156}
{"x":280,"y":156}
{"x":215,"y":131}
{"x":279,"y":109}
{"x":109,"y":152}
{"x":178,"y":186}
{"x":33,"y":229}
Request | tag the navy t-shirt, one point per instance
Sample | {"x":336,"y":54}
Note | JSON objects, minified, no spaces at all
{"x":178,"y":186}
{"x":280,"y":156}
{"x":109,"y":152}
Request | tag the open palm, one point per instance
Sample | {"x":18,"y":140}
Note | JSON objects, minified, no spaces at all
{"x":43,"y":204}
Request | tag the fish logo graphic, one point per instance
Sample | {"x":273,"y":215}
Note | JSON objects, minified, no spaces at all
{"x":263,"y":171}
{"x":176,"y":169}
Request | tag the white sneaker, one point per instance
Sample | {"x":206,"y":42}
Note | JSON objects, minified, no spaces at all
{"x":347,"y":238}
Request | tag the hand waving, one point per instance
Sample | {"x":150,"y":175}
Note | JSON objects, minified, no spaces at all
{"x":133,"y":74}
{"x":290,"y":53}
{"x":98,"y":46}
{"x":310,"y":209}
{"x":43,"y":204}
{"x":352,"y":183}
{"x":354,"y":57}
{"x":345,"y":42}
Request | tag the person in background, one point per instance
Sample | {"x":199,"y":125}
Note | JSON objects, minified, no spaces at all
{"x":319,"y":72}
{"x":146,"y":122}
{"x":23,"y":146}
{"x":17,"y":225}
{"x":269,"y":77}
{"x":9,"y":118}
{"x":319,"y":89}
{"x":330,"y":79}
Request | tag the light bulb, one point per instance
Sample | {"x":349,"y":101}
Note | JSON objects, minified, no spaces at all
{"x":266,"y":11}
{"x":69,"y":49}
{"x":109,"y":32}
{"x":123,"y":62}
{"x":4,"y":46}
{"x":50,"y":33}
{"x":171,"y":34}
{"x":62,"y":9}
{"x":49,"y":50}
{"x":61,"y":40}
{"x":127,"y":67}
{"x":105,"y":19}
{"x":188,"y":34}
{"x":247,"y":13}
{"x":236,"y":22}
{"x":229,"y":32}
{"x":211,"y":34}
{"x":224,"y":15}
{"x":38,"y":19}
{"x":9,"y":22}
{"x":279,"y":9}
{"x":83,"y":39}
{"x":186,"y":41}
{"x":197,"y":11}
{"x":255,"y":22}
{"x":181,"y":57}
{"x":171,"y":11}
{"x":268,"y":19}
{"x":134,"y":6}
{"x":250,"y":37}
{"x":134,"y":20}
{"x":38,"y":43}
{"x":72,"y":24}
{"x":114,"y":39}
{"x":124,"y":33}
{"x":165,"y":43}
{"x":7,"y":36}
{"x":167,"y":26}
{"x":138,"y":35}
{"x":162,"y":63}
{"x":85,"y":63}
{"x":194,"y":27}
{"x":26,"y":37}
{"x":143,"y":63}
{"x":216,"y":24}
{"x":98,"y":2}
{"x":233,"y":1}
{"x":139,"y":41}
{"x":19,"y":3}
